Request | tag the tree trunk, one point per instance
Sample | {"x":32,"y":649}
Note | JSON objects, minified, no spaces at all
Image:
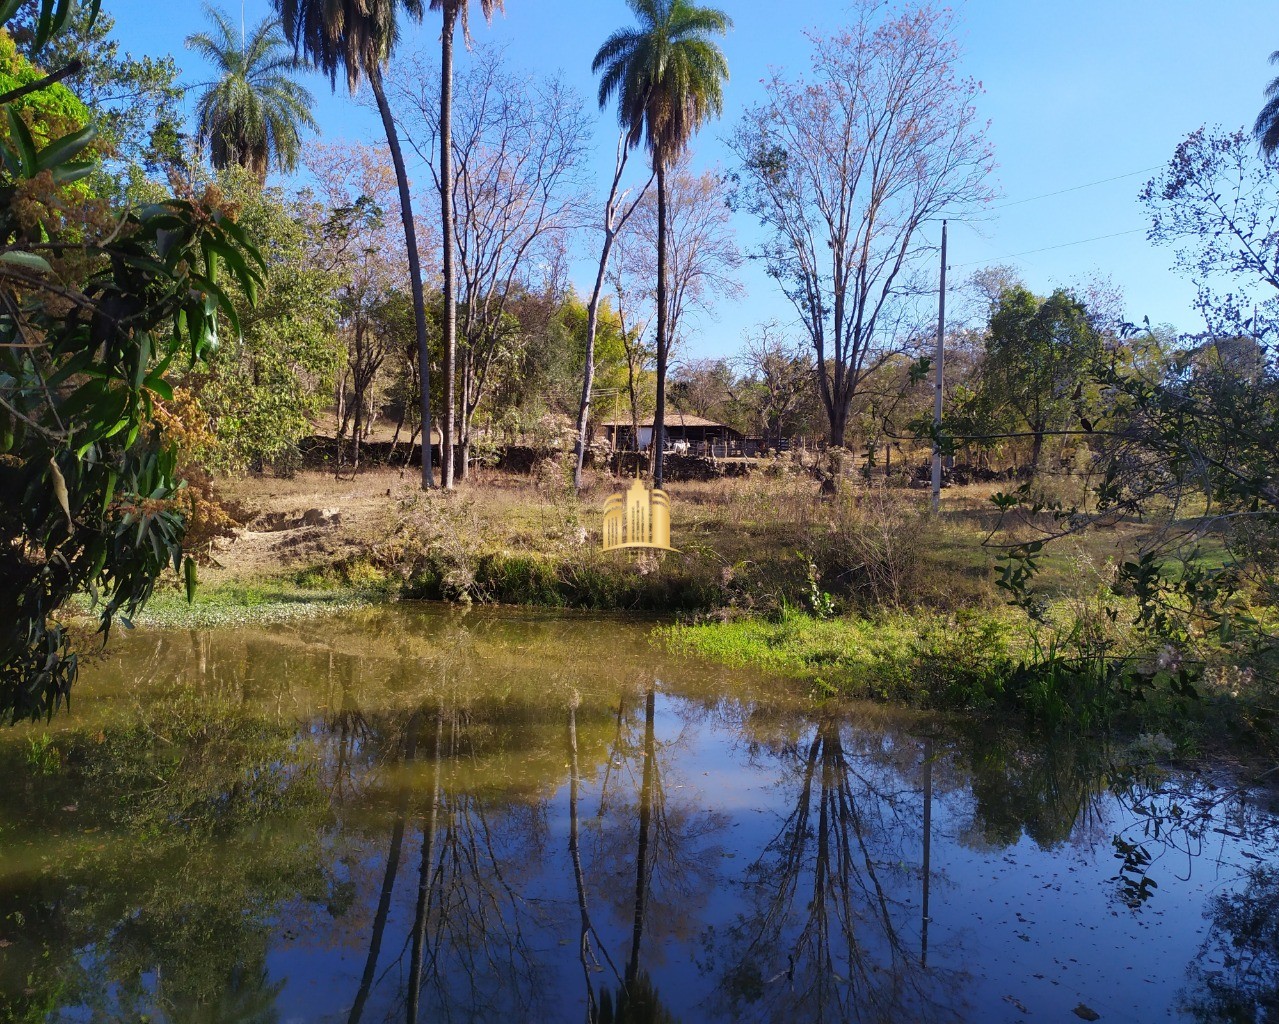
{"x":415,"y":266}
{"x":611,"y":228}
{"x":659,"y":414}
{"x":1037,"y":448}
{"x":838,"y":424}
{"x":588,"y":373}
{"x":357,"y":431}
{"x":463,"y":447}
{"x":446,"y":226}
{"x":641,"y":852}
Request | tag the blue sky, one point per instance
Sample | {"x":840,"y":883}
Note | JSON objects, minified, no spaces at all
{"x":1074,"y":94}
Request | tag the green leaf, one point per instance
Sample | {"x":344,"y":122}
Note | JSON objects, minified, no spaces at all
{"x":62,"y":150}
{"x":68,"y":173}
{"x":22,"y":137}
{"x":26,"y":260}
{"x":144,"y":358}
{"x":243,"y":273}
{"x":44,"y":25}
{"x":160,"y":386}
{"x":112,"y":477}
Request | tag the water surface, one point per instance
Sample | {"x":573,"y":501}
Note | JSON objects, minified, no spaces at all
{"x":417,"y":813}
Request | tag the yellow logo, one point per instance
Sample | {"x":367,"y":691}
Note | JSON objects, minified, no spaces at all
{"x":641,"y":518}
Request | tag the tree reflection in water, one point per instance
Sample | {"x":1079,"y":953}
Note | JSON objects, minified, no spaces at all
{"x":671,"y":864}
{"x":825,"y":935}
{"x":1236,"y":979}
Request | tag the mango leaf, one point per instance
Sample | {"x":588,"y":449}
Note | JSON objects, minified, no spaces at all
{"x":247,"y":277}
{"x":8,"y":9}
{"x":67,"y":173}
{"x":21,"y":135}
{"x":62,"y":150}
{"x":26,"y":260}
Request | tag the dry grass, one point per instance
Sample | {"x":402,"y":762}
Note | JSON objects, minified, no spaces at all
{"x":874,"y":543}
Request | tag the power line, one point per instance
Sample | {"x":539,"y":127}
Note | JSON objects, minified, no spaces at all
{"x":1046,"y":248}
{"x":1076,"y":188}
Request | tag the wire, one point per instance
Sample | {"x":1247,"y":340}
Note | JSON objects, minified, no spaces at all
{"x":1076,"y":188}
{"x":1046,"y":248}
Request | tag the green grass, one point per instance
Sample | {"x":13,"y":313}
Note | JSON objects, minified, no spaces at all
{"x":235,"y":604}
{"x":920,"y":658}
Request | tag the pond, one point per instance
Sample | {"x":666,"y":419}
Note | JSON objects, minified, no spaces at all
{"x":425,"y":813}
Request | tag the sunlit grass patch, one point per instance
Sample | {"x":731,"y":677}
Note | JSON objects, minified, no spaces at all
{"x":921,"y":658}
{"x":237,"y":604}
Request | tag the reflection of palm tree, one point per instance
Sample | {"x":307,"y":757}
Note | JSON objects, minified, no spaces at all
{"x":641,"y":846}
{"x":424,"y":873}
{"x":467,"y":946}
{"x":637,"y":999}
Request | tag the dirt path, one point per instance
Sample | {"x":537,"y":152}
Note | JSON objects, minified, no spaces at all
{"x":308,"y":519}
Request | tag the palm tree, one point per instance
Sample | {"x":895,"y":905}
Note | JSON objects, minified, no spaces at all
{"x":254,"y":111}
{"x":1267,"y":127}
{"x":668,"y":77}
{"x":359,"y":36}
{"x":453,"y":11}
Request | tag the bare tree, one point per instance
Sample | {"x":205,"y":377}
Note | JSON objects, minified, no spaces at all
{"x":517,"y":144}
{"x":779,"y":373}
{"x":618,"y":208}
{"x":702,"y":253}
{"x":357,"y":186}
{"x":844,"y":168}
{"x":701,"y":250}
{"x":634,"y":315}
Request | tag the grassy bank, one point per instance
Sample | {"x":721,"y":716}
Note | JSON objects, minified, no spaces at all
{"x":863,"y":594}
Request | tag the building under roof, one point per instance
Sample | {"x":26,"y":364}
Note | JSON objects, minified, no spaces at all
{"x":700,"y":435}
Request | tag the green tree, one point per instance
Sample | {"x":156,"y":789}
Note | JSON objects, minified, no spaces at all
{"x":668,"y":77}
{"x":133,"y":100}
{"x":97,"y":305}
{"x":268,"y":381}
{"x":360,"y":39}
{"x":1038,"y":354}
{"x":253,"y":113}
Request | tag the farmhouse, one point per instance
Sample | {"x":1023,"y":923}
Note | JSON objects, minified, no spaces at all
{"x":684,"y":431}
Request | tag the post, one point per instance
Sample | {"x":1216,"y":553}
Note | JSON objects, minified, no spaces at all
{"x":941,"y":356}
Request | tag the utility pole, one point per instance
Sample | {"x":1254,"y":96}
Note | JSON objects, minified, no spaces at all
{"x":941,"y":356}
